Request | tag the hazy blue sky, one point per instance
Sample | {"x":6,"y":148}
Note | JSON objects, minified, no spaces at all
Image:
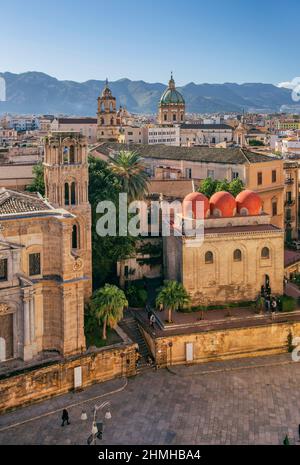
{"x":201,"y":41}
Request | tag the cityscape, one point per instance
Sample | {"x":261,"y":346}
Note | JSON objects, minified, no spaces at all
{"x":149,"y":249}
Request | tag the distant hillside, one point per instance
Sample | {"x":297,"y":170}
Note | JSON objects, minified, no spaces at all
{"x":38,"y":93}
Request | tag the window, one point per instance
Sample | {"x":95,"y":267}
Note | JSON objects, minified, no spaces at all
{"x":235,"y":174}
{"x":237,"y":255}
{"x":259,"y":178}
{"x":209,"y":257}
{"x":211,"y":174}
{"x":289,"y":197}
{"x":72,"y":154}
{"x":174,"y":117}
{"x":73,"y":194}
{"x":67,"y":197}
{"x":273,"y":175}
{"x":265,"y":253}
{"x":3,"y":269}
{"x":34,"y":264}
{"x":288,"y":215}
{"x":165,"y":117}
{"x":274,"y":208}
{"x":74,"y":237}
{"x":188,"y":173}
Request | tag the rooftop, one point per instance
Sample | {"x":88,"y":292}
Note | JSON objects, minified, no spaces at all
{"x":205,"y":126}
{"x":235,"y":156}
{"x":21,"y":202}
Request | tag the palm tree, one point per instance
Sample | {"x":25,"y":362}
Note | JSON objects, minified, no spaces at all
{"x":108,"y":303}
{"x":172,"y":296}
{"x":130,"y":170}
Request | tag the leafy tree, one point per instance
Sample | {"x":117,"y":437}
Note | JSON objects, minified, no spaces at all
{"x":130,"y":171}
{"x":256,"y":143}
{"x":208,"y":187}
{"x":108,"y":304}
{"x":223,"y":185}
{"x":37,"y":184}
{"x":172,"y":296}
{"x":106,"y":251}
{"x":236,"y":186}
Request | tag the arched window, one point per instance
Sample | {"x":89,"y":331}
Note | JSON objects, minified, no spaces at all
{"x":209,"y":257}
{"x":73,"y":193}
{"x":111,"y":121}
{"x":237,"y":255}
{"x":66,"y":155}
{"x":265,"y":252}
{"x":67,"y":194}
{"x":72,"y":154}
{"x":174,"y":117}
{"x":74,"y":237}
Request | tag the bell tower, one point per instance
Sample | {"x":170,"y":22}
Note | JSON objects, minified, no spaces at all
{"x":66,"y":185}
{"x":107,"y":124}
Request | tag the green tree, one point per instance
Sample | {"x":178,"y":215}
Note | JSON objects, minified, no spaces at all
{"x":208,"y":187}
{"x":172,"y":296}
{"x":106,"y":251}
{"x":236,"y":186}
{"x":37,"y":184}
{"x":108,"y":304}
{"x":131,"y":173}
{"x":222,"y":185}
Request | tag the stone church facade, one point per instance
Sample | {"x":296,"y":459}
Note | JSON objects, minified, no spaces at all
{"x":45,"y":257}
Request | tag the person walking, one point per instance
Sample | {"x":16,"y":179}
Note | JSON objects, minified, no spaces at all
{"x":152,"y":320}
{"x":65,"y":417}
{"x":273,"y":307}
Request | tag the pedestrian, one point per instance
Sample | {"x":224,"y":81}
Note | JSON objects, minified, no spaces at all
{"x":267,"y":304}
{"x":274,"y":307}
{"x":65,"y":417}
{"x":152,"y":320}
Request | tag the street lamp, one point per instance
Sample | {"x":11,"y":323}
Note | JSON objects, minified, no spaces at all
{"x":107,"y":416}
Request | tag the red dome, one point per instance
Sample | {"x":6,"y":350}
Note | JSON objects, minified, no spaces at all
{"x":195,"y":198}
{"x":222,"y":204}
{"x":248,"y":203}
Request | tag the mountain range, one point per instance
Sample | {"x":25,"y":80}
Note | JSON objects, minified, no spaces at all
{"x":38,"y":93}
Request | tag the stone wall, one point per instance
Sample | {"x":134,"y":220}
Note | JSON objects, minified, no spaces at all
{"x":222,"y":344}
{"x":58,"y":377}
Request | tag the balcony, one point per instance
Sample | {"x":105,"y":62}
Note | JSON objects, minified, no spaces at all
{"x":289,"y":181}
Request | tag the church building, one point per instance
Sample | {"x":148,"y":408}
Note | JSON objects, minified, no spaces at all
{"x":171,"y":108}
{"x":45,"y":257}
{"x":239,"y":252}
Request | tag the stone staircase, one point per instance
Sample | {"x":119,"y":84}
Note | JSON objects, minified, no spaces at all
{"x":130,"y":327}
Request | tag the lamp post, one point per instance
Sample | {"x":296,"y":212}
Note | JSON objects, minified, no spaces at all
{"x":107,"y":416}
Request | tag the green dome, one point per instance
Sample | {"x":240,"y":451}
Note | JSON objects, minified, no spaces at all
{"x":171,"y":95}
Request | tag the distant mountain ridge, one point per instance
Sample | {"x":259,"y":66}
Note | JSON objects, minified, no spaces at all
{"x":38,"y":93}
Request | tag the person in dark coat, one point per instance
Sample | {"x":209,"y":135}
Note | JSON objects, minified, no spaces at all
{"x":65,"y":417}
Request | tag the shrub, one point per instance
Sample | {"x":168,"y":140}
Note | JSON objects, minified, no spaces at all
{"x":136,"y":295}
{"x":288,"y":303}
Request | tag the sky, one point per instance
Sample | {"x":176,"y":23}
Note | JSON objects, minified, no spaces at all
{"x":199,"y":40}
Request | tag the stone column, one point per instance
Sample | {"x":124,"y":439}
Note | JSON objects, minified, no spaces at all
{"x":26,"y":323}
{"x":27,"y":349}
{"x":32,"y":320}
